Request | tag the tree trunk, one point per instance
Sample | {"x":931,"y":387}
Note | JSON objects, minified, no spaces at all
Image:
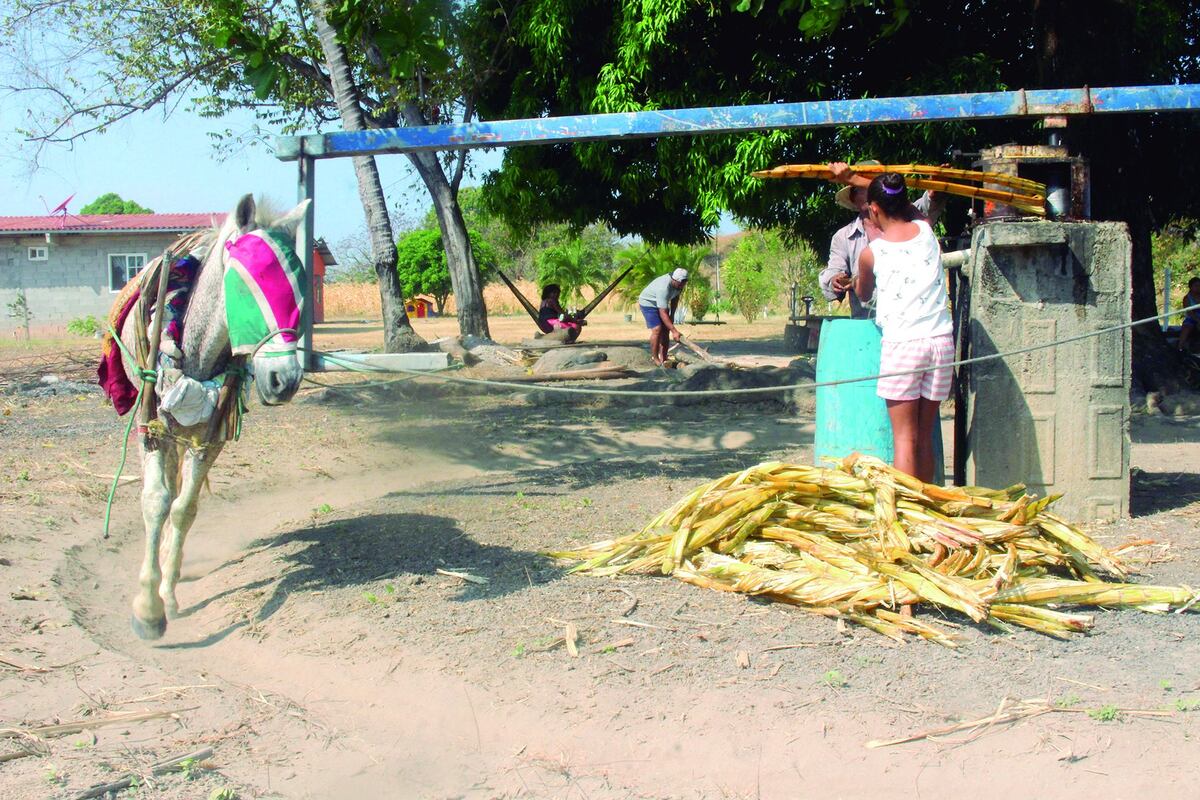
{"x":460,"y":260}
{"x":1103,"y":53}
{"x":398,"y":334}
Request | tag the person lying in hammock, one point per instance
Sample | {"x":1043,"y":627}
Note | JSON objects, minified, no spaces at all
{"x":552,"y":317}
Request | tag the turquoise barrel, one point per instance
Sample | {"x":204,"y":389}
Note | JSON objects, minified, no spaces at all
{"x":851,"y":418}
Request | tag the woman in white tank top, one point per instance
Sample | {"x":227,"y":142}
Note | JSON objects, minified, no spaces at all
{"x":902,"y":269}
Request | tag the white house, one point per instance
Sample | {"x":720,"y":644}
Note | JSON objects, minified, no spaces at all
{"x":72,"y":266}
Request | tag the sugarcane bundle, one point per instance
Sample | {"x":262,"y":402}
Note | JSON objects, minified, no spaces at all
{"x":1026,"y":195}
{"x":866,"y":542}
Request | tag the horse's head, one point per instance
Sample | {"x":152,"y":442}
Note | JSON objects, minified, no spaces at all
{"x":264,"y":296}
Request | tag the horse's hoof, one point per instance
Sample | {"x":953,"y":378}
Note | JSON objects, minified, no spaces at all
{"x":171,"y":611}
{"x":148,"y":630}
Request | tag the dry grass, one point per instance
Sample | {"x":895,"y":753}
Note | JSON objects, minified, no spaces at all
{"x":352,"y":300}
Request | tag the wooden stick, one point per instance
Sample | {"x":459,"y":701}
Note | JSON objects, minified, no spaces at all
{"x":14,"y":756}
{"x":462,"y":576}
{"x":65,"y":728}
{"x":148,"y":410}
{"x":226,"y":395}
{"x":595,"y":374}
{"x":157,"y":769}
{"x":4,"y":662}
{"x":994,"y":719}
{"x":796,"y":645}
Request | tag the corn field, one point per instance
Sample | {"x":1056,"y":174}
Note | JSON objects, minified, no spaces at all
{"x":867,"y":543}
{"x":361,"y":300}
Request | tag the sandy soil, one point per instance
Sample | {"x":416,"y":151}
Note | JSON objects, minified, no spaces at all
{"x":322,"y":654}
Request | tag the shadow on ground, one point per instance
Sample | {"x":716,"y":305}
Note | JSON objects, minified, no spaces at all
{"x":1153,"y":492}
{"x":586,"y":443}
{"x":362,"y":550}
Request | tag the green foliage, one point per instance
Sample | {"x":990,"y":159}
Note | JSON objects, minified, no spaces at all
{"x":84,"y":326}
{"x":1106,"y":713}
{"x":223,"y":793}
{"x":421,"y":263}
{"x":584,"y":260}
{"x":750,"y":274}
{"x":1176,"y":246}
{"x":652,"y":261}
{"x":18,"y":309}
{"x":111,"y":203}
{"x":189,"y":769}
{"x":588,"y":56}
{"x":819,"y":18}
{"x":834,"y":679}
{"x":698,"y":296}
{"x":1184,"y":705}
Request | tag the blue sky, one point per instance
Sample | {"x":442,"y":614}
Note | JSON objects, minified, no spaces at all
{"x":170,"y":165}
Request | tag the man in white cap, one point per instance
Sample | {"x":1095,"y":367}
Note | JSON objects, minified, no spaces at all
{"x":657,"y":303}
{"x":837,"y":279}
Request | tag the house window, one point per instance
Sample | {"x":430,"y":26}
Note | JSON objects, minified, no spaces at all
{"x":37,"y":254}
{"x":122,"y":267}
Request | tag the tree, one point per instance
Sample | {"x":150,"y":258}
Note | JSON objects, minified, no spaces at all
{"x":798,"y":265}
{"x":111,"y":203}
{"x":1176,"y":247}
{"x":651,"y":261}
{"x":355,"y":63}
{"x":751,"y":276}
{"x":698,"y":295}
{"x":585,"y":260}
{"x":421,"y":264}
{"x":587,"y":56}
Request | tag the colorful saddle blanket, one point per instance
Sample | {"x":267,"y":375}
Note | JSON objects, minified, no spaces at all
{"x":111,"y":374}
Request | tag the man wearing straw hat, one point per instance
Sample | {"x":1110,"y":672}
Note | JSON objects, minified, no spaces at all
{"x":657,"y":303}
{"x":837,"y":279}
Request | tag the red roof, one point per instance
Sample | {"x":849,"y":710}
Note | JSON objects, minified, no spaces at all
{"x":111,"y":223}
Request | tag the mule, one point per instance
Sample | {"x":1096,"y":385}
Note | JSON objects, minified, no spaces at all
{"x":246,"y":289}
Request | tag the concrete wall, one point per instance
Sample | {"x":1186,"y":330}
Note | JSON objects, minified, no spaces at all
{"x":1056,"y":419}
{"x":73,"y":281}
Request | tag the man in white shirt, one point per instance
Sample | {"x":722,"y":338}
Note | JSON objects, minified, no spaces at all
{"x":657,"y":303}
{"x":837,"y":279}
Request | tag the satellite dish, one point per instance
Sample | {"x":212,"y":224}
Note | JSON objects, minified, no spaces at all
{"x":62,"y":207}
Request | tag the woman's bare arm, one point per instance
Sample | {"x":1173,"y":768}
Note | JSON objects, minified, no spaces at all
{"x":864,"y":284}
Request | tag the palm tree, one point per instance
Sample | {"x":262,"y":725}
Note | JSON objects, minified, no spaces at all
{"x":573,"y":265}
{"x":659,"y":260}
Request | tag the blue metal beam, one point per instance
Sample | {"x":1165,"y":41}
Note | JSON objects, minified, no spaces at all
{"x":741,"y":119}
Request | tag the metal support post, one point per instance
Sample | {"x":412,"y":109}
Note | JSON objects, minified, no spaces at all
{"x":304,"y":248}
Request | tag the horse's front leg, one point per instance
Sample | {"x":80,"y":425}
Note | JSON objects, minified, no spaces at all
{"x":159,"y":466}
{"x":196,"y":464}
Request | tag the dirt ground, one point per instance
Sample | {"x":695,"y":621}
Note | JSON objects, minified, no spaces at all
{"x":321,"y":653}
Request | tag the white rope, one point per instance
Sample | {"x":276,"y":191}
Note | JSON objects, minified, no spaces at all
{"x":525,"y":387}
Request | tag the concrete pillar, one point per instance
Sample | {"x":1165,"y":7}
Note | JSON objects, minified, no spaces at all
{"x":1056,"y":419}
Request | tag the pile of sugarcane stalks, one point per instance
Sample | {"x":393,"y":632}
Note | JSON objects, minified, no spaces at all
{"x":867,"y":543}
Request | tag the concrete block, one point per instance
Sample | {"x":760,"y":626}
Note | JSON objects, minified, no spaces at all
{"x":384,"y":362}
{"x":1055,"y":419}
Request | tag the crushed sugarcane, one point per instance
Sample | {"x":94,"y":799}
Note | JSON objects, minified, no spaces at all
{"x":866,"y":543}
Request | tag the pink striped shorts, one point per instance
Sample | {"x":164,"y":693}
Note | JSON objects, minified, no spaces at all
{"x":918,"y":354}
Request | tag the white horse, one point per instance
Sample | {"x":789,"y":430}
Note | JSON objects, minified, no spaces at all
{"x":247,"y":288}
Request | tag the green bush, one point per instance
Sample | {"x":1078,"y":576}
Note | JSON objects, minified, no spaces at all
{"x":84,"y":326}
{"x":698,"y":296}
{"x":750,"y":275}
